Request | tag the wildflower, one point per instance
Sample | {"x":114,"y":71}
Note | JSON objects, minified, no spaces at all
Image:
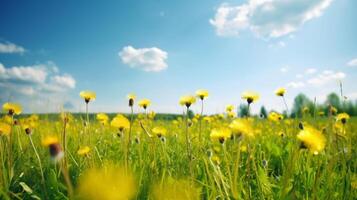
{"x":120,"y":122}
{"x":83,"y":151}
{"x":131,"y":98}
{"x":280,"y":92}
{"x":311,"y":138}
{"x":305,"y":109}
{"x":275,"y":117}
{"x":332,"y":110}
{"x":159,"y":131}
{"x":144,"y":103}
{"x":55,"y":149}
{"x":241,"y":127}
{"x":207,"y":119}
{"x":12,"y":108}
{"x":250,"y":97}
{"x":231,"y":114}
{"x":343,"y":117}
{"x":187,"y":100}
{"x":102,"y":118}
{"x":5,"y":129}
{"x":229,"y":108}
{"x":88,"y":95}
{"x":107,"y":183}
{"x":202,"y":94}
{"x":216,"y":160}
{"x":151,"y":115}
{"x":176,"y":189}
{"x":321,"y":113}
{"x":220,"y":134}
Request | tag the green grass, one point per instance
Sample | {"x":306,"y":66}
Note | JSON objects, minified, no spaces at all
{"x":271,"y":167}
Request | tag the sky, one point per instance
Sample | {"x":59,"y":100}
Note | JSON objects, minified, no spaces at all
{"x":162,"y":50}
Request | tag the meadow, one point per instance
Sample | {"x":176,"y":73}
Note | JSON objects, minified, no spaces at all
{"x":143,"y":156}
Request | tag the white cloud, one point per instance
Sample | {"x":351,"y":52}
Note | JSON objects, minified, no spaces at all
{"x":326,"y":77}
{"x":284,"y":69}
{"x":352,"y":63}
{"x":297,"y":84}
{"x":11,"y":48}
{"x":36,"y":73}
{"x":147,"y":59}
{"x":310,"y":71}
{"x":66,"y":81}
{"x":34,"y":79}
{"x":267,"y":18}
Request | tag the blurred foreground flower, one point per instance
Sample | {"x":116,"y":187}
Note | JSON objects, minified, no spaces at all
{"x":220,"y":134}
{"x":107,"y":183}
{"x":176,"y":189}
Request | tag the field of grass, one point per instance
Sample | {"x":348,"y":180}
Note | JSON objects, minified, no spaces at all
{"x":204,"y":157}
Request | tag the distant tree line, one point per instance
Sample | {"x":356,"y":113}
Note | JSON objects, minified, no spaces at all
{"x":304,"y":106}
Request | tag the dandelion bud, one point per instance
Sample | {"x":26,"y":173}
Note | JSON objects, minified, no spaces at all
{"x":55,"y":151}
{"x":137,"y":140}
{"x":265,"y":163}
{"x":131,"y":102}
{"x":301,"y":126}
{"x":163,"y":139}
{"x":16,"y":122}
{"x":28,"y":131}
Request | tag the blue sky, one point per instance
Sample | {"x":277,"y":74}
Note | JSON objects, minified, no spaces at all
{"x":161,"y":50}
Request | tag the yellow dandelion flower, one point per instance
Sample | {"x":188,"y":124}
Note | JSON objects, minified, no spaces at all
{"x":220,"y":134}
{"x":151,"y":115}
{"x":207,"y":119}
{"x":144,"y":103}
{"x":88,"y":95}
{"x":343,"y":118}
{"x":231,"y":114}
{"x":241,"y":127}
{"x":250,"y":97}
{"x":12,"y":108}
{"x":187,"y":100}
{"x":275,"y":117}
{"x":159,"y":131}
{"x":312,"y":139}
{"x":229,"y":108}
{"x":83,"y":151}
{"x":280,"y":91}
{"x":120,"y":122}
{"x":49,"y":140}
{"x":107,"y":183}
{"x":102,"y":118}
{"x":54,"y":147}
{"x":5,"y":129}
{"x":202,"y":94}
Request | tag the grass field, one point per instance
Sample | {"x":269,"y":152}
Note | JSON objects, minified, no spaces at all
{"x":204,"y":157}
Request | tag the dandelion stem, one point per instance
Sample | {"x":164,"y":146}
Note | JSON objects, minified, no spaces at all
{"x":188,"y":141}
{"x":286,"y":105}
{"x":40,"y":165}
{"x":200,"y":125}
